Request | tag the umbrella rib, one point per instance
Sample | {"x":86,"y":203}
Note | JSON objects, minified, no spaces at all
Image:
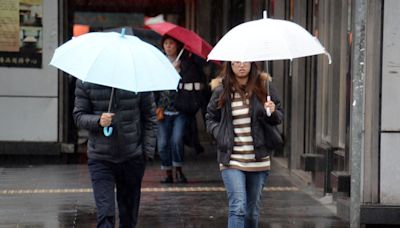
{"x":98,"y":56}
{"x":135,"y":69}
{"x":286,"y":42}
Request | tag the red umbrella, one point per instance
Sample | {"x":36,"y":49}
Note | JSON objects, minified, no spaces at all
{"x":192,"y":42}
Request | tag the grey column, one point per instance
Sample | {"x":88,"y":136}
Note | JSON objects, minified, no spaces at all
{"x":357,"y":107}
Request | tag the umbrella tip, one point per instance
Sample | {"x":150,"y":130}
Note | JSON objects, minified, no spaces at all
{"x":122,"y":32}
{"x":265,"y":16}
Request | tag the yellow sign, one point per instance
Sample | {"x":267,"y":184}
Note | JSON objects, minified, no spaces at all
{"x":31,"y":2}
{"x":21,"y":33}
{"x":9,"y":25}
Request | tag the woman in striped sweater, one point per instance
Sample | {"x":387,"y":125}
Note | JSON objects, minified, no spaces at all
{"x":238,"y":119}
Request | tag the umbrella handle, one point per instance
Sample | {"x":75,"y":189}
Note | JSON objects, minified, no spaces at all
{"x":268,"y":109}
{"x":179,"y":55}
{"x":107,"y":131}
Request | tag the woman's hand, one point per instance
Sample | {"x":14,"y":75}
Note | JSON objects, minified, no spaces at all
{"x":269,"y":106}
{"x":106,"y":119}
{"x":177,"y":65}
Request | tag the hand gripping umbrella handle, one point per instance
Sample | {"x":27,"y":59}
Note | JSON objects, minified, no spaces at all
{"x":268,"y":109}
{"x":107,"y":131}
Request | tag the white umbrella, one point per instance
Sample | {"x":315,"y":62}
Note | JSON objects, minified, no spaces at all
{"x":266,"y":39}
{"x":116,"y":60}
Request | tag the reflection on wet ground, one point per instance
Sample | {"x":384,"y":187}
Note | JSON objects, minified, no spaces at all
{"x":51,"y":196}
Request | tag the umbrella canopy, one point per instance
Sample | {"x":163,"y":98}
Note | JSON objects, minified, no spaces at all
{"x":116,"y":60}
{"x":266,"y":39}
{"x":192,"y":42}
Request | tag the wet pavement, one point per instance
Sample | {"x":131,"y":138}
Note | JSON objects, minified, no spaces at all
{"x":60,"y":195}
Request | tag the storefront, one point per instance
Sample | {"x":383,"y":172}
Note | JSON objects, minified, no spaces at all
{"x":29,"y":88}
{"x":36,"y":98}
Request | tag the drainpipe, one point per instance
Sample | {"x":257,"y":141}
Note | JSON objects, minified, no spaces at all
{"x":248,"y":14}
{"x":225,"y":16}
{"x":357,"y":107}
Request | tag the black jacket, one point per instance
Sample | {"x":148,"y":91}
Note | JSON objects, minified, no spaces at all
{"x":183,"y":100}
{"x":219,"y":124}
{"x":134,"y":123}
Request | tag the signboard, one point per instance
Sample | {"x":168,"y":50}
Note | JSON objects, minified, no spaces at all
{"x":100,"y":21}
{"x":21,"y":33}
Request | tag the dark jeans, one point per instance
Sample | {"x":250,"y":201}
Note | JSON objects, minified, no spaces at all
{"x":127,"y":178}
{"x":170,"y":140}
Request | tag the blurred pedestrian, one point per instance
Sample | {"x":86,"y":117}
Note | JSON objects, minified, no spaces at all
{"x":202,"y":95}
{"x":117,"y":161}
{"x":175,"y":109}
{"x":237,"y":118}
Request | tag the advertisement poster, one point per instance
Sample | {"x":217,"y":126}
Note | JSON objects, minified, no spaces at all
{"x":21,"y":33}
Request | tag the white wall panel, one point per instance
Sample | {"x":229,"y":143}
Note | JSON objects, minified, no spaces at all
{"x":29,"y":96}
{"x":390,"y":169}
{"x":390,"y":121}
{"x":28,"y":119}
{"x":391,"y":67}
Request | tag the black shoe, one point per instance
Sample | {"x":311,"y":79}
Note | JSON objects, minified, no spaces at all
{"x":180,"y":178}
{"x":167,"y":180}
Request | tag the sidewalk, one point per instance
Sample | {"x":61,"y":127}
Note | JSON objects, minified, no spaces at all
{"x":51,"y":196}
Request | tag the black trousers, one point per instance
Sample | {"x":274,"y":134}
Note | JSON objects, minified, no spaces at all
{"x":191,"y":137}
{"x":126,"y":177}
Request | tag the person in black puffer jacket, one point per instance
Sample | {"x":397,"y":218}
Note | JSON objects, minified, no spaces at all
{"x":118,"y":160}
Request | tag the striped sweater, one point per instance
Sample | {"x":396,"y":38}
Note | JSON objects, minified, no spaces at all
{"x":243,"y":155}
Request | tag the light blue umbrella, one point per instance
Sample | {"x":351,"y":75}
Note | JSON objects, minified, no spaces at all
{"x":118,"y":61}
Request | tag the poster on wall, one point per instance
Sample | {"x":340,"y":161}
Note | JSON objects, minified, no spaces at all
{"x":21,"y":33}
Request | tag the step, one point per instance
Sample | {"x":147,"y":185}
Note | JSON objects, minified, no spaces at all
{"x":340,"y":182}
{"x":312,"y":162}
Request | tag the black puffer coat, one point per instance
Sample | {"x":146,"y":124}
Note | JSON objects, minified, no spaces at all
{"x":219,"y":124}
{"x":134,"y":123}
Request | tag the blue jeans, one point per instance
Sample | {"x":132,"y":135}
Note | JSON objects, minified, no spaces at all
{"x":127,"y":178}
{"x":244,"y":195}
{"x":170,"y":140}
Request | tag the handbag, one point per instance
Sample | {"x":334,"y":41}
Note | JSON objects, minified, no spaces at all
{"x":273,"y":138}
{"x":160,"y":114}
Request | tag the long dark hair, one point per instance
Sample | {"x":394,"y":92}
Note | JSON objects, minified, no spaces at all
{"x":255,"y":85}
